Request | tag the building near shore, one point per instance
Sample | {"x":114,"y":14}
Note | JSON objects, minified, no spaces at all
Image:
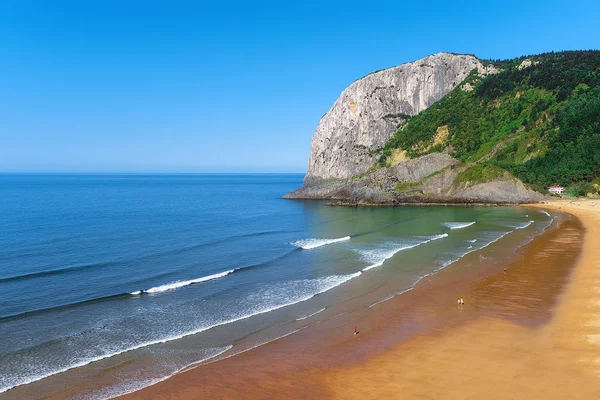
{"x":556,"y":189}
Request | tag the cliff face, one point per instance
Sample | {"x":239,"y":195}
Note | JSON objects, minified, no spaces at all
{"x":371,"y":109}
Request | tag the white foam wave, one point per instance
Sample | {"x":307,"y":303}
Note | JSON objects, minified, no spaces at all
{"x":457,"y":225}
{"x":545,"y":212}
{"x":310,"y":315}
{"x":308,"y":244}
{"x":259,"y":344}
{"x":524,"y":225}
{"x":470,"y":250}
{"x":379,"y":256}
{"x":127,"y":386}
{"x":495,"y":240}
{"x":516,"y":225}
{"x":446,"y":263}
{"x":304,"y":290}
{"x":393,"y":295}
{"x":179,"y":284}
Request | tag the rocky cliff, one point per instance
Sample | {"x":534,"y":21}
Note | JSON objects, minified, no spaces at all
{"x":370,"y":110}
{"x":433,"y":178}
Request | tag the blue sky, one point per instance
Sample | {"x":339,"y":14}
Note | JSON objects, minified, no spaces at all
{"x":169,"y":86}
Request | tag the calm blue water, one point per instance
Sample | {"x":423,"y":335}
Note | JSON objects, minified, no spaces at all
{"x":99,"y":269}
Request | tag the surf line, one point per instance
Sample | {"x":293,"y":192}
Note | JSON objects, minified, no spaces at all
{"x":178,"y":284}
{"x":309,"y":244}
{"x":393,"y":252}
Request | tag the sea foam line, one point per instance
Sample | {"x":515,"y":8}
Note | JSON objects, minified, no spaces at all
{"x":441,"y":267}
{"x":389,"y":254}
{"x":336,"y":280}
{"x":449,"y":262}
{"x":310,"y":315}
{"x":179,"y":284}
{"x":308,"y":244}
{"x":457,"y":225}
{"x":545,"y":212}
{"x":514,"y":225}
{"x":151,"y":382}
{"x":258,"y":345}
{"x":394,"y":295}
{"x":525,"y":225}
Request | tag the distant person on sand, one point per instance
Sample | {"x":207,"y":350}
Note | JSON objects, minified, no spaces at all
{"x":355,"y":331}
{"x":462,"y":301}
{"x":458,"y":301}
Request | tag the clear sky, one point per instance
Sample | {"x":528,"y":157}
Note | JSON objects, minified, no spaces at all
{"x":226,"y":86}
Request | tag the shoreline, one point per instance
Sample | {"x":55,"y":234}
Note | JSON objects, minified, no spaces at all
{"x":558,"y":359}
{"x":315,"y":362}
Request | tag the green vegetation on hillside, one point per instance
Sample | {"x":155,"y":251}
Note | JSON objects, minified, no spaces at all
{"x":541,"y":123}
{"x":479,"y":174}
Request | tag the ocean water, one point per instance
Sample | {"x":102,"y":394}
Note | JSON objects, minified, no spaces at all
{"x":153,"y":273}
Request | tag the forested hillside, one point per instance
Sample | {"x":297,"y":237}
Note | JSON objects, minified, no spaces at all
{"x":538,"y":118}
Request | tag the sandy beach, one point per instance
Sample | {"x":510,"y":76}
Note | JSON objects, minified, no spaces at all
{"x":530,"y":332}
{"x":497,"y":359}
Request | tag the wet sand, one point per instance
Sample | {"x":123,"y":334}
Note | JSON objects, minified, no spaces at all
{"x":530,"y":332}
{"x":497,"y":358}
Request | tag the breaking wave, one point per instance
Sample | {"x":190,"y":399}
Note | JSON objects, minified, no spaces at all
{"x":127,"y":386}
{"x":379,"y":256}
{"x":178,"y":284}
{"x":457,"y":225}
{"x":271,"y":299}
{"x":516,"y":225}
{"x":308,"y":244}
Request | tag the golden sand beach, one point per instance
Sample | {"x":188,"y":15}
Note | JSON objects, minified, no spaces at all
{"x":530,"y":332}
{"x":493,"y":358}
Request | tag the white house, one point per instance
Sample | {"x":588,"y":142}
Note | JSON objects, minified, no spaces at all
{"x":556,"y":189}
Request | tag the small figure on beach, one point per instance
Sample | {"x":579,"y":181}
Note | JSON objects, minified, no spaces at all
{"x":462,"y":301}
{"x":355,"y":331}
{"x":458,"y":301}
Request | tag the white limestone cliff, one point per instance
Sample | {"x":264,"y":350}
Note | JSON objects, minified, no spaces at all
{"x":371,"y":109}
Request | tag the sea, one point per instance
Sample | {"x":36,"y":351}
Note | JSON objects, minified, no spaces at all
{"x":124,"y":280}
